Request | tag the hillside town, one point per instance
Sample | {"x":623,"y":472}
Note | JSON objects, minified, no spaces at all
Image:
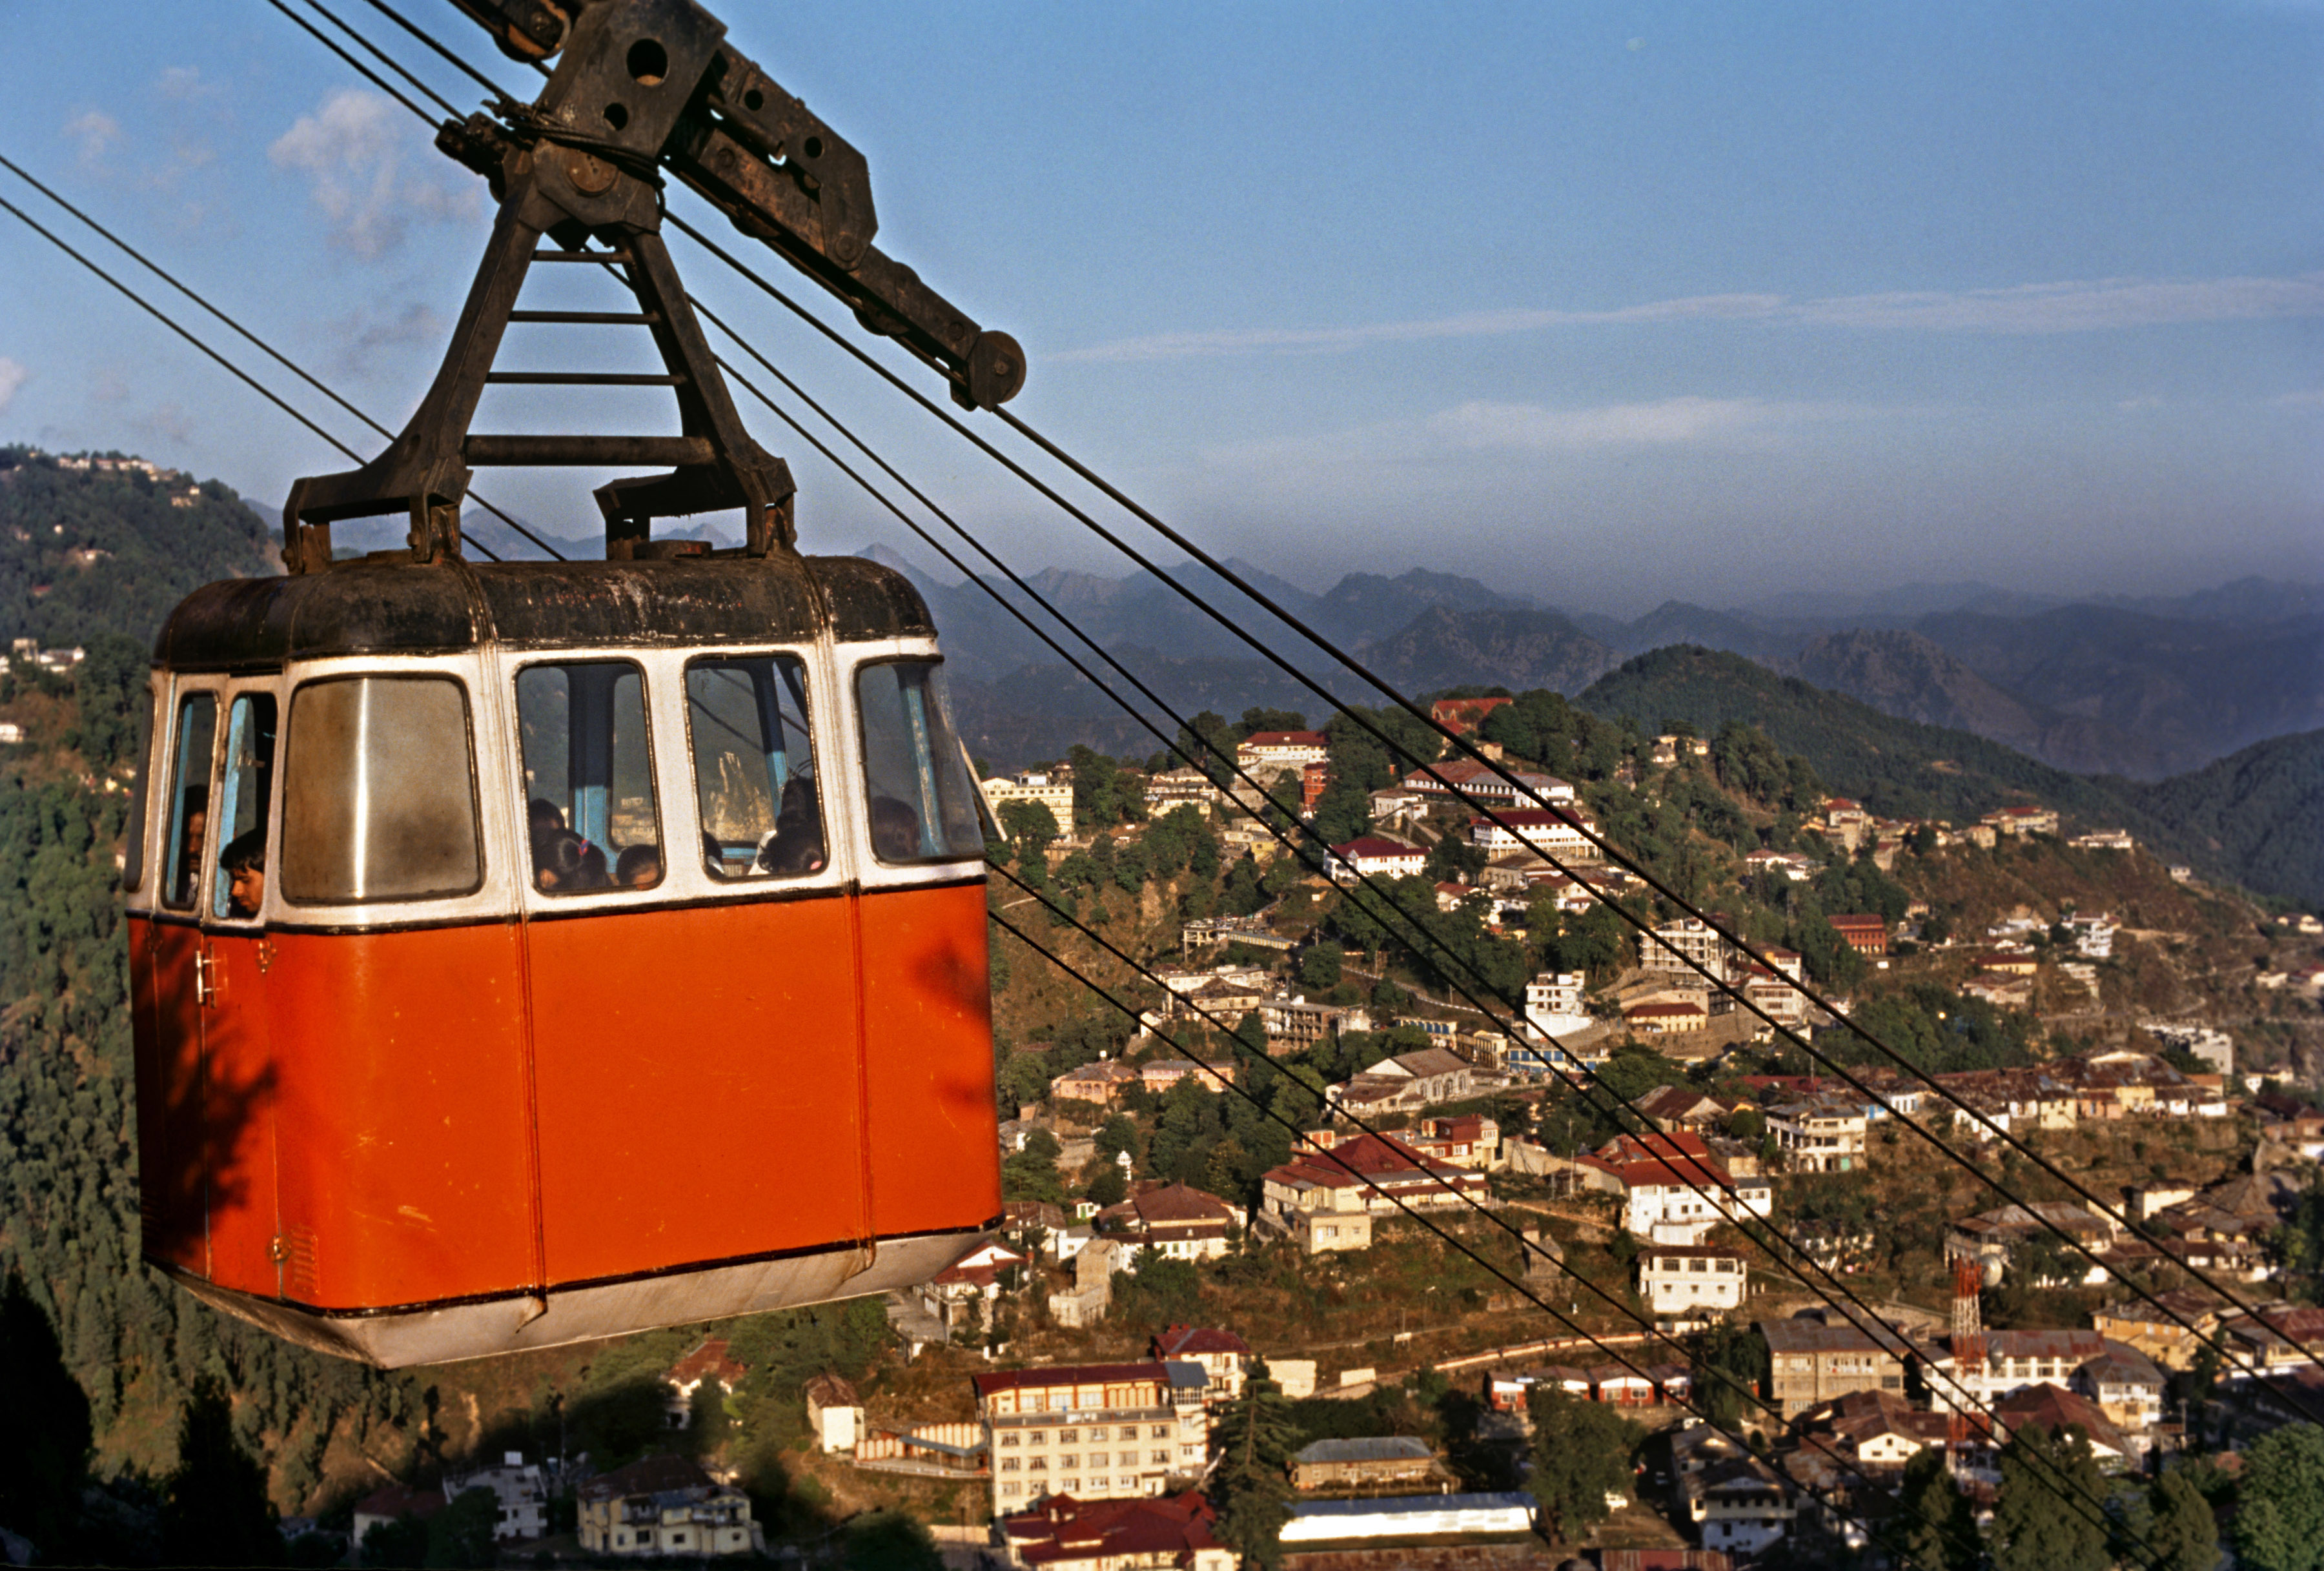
{"x":1438,"y":1228}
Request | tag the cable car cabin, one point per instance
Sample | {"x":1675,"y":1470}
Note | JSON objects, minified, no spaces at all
{"x":537,"y":951}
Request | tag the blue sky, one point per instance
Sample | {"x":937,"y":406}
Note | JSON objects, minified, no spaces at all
{"x":1603,"y":303}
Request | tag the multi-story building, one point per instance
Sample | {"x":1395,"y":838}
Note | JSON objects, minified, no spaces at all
{"x":1265,"y":753}
{"x":1821,"y":1133}
{"x":1294,"y":1024}
{"x":666,"y":1505}
{"x":1174,"y":1221}
{"x":1674,"y":1190}
{"x":1093,"y":1431}
{"x":1553,"y":1006}
{"x":1117,"y":1535}
{"x":1224,"y":1357}
{"x":1363,"y":1178}
{"x":1049,"y":790}
{"x":1562,"y":831}
{"x":1483,"y":783}
{"x":1810,"y":1363}
{"x":1687,"y":1285}
{"x":1865,"y":932}
{"x":1693,"y":940}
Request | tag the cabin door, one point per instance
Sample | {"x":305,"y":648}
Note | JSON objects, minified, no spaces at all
{"x":248,"y":1251}
{"x":693,"y":984}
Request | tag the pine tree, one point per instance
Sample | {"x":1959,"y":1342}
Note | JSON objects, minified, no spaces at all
{"x":2279,"y":1518}
{"x":1936,"y":1525}
{"x":214,"y":1507}
{"x":1250,"y":1486}
{"x":2041,"y":1517}
{"x":2185,"y":1536}
{"x":44,"y":1441}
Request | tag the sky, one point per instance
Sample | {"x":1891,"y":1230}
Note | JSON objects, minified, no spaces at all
{"x":1602,"y":303}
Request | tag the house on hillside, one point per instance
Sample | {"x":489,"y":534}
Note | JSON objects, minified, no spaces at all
{"x":666,"y":1506}
{"x":1225,"y":1357}
{"x":1174,"y":1221}
{"x":706,"y":1360}
{"x":1370,"y":1176}
{"x":1267,"y":753}
{"x":1375,"y":856}
{"x":1063,"y":1533}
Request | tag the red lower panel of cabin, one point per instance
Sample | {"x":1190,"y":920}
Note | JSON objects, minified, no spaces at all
{"x":366,"y":1121}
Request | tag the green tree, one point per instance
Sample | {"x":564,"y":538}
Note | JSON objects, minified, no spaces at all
{"x":1255,"y":1437}
{"x":888,"y":1541}
{"x":1031,"y":1174}
{"x":460,"y":1536}
{"x":2279,"y":1518}
{"x":1741,"y":1357}
{"x":1031,"y":824}
{"x":214,"y":1506}
{"x":401,"y":1542}
{"x":1935,"y":1524}
{"x":1320,"y":963}
{"x":1108,"y":1188}
{"x":2185,"y":1536}
{"x":2035,"y":1528}
{"x":1582,"y":1453}
{"x":2300,"y":1244}
{"x":1099,"y":796}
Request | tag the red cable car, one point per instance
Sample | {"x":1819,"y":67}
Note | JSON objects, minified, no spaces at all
{"x":528,"y":953}
{"x":510,"y":970}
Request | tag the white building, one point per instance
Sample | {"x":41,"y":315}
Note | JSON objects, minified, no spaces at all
{"x":1690,"y":939}
{"x":1375,"y":856}
{"x":1553,"y":1004}
{"x":1559,"y":832}
{"x":1820,"y":1134}
{"x":1689,"y":1285}
{"x":1034,"y":785}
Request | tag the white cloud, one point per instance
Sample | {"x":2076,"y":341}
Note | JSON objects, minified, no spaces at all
{"x":13,"y":376}
{"x":95,"y":132}
{"x":360,"y":333}
{"x":2311,"y":399}
{"x":351,"y":152}
{"x":1666,"y":422}
{"x":2071,"y":307}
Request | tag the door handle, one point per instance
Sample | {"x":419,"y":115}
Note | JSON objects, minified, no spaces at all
{"x":206,"y":990}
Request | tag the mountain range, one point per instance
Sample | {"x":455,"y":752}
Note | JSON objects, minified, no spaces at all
{"x":2144,"y":689}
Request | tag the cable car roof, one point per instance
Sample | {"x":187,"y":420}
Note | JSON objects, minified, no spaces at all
{"x":388,"y":608}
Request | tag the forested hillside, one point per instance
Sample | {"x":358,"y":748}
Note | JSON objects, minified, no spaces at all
{"x":1904,"y":768}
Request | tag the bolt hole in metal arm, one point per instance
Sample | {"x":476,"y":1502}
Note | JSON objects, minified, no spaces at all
{"x":641,"y":87}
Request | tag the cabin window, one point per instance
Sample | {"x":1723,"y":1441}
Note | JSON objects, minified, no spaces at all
{"x":189,"y":799}
{"x":588,"y":777}
{"x":379,"y":799}
{"x":923,"y":804}
{"x":245,"y":787}
{"x":754,"y":768}
{"x":133,"y":854}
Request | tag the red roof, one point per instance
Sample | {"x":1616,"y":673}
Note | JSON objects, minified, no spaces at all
{"x":1683,"y":1172}
{"x":1065,"y":1375}
{"x":707,"y":1359}
{"x":394,"y":1500}
{"x":1372,"y":845}
{"x":1662,"y":1011}
{"x":1169,"y":1529}
{"x":1860,"y":919}
{"x":1185,"y":1341}
{"x":1372,"y":1156}
{"x":650,"y":1475}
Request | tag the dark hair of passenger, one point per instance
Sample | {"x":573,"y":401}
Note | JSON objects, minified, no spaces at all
{"x":565,"y":862}
{"x":543,"y":815}
{"x":895,"y":830}
{"x":638,"y":867}
{"x":245,"y":853}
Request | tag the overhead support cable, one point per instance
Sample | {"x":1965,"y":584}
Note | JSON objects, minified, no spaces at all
{"x":2235,"y":1359}
{"x":1716,"y":980}
{"x":256,"y":342}
{"x":1647,"y":1330}
{"x":1596,"y":1091}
